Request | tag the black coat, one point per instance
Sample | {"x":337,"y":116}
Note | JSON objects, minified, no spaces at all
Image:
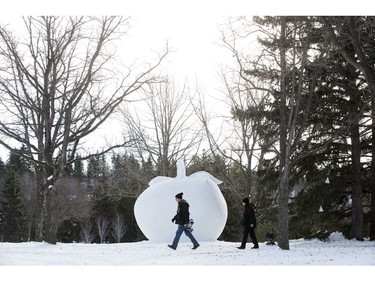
{"x":249,"y":216}
{"x":182,"y":216}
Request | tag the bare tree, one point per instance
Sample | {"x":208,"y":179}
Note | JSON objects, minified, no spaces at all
{"x":246,"y":135}
{"x":247,"y":96}
{"x":166,"y":129}
{"x":87,"y":232}
{"x":118,"y":227}
{"x":69,"y":200}
{"x":102,"y":224}
{"x":58,"y":86}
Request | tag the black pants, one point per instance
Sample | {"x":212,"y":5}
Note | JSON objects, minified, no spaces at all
{"x":249,"y":230}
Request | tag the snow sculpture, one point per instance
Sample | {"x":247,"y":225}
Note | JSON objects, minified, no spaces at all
{"x":156,"y":206}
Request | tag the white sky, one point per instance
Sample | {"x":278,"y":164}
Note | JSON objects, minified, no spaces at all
{"x":194,"y":43}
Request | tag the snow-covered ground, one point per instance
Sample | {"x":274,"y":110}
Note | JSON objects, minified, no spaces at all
{"x":337,"y":251}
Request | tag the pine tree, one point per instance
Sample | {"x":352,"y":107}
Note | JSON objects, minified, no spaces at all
{"x":78,"y":170}
{"x":18,"y":163}
{"x":2,"y":168}
{"x":12,"y":209}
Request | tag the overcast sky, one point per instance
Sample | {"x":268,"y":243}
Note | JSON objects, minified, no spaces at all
{"x":190,"y":27}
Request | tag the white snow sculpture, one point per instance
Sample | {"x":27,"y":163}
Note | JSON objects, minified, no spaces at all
{"x":156,"y":206}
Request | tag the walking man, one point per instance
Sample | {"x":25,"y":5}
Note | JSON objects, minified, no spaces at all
{"x":249,"y":223}
{"x":182,"y":219}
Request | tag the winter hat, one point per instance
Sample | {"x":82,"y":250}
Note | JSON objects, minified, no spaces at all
{"x":179,"y":196}
{"x":245,"y":200}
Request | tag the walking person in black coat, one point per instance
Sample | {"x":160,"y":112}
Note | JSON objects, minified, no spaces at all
{"x":249,"y":222}
{"x":182,"y":219}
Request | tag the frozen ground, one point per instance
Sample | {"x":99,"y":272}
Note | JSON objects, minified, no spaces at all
{"x":307,"y":257}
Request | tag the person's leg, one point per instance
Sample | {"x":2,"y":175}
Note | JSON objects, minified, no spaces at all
{"x":244,"y":237}
{"x":254,"y":238}
{"x":176,"y":239}
{"x":191,"y":237}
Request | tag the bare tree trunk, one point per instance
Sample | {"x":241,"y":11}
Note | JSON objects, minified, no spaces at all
{"x":118,"y":227}
{"x":372,"y":177}
{"x":354,"y":119}
{"x":51,"y":232}
{"x":51,"y":221}
{"x":283,"y":237}
{"x":102,"y":225}
{"x":372,"y":168}
{"x":87,"y":232}
{"x":357,"y":206}
{"x":40,"y":206}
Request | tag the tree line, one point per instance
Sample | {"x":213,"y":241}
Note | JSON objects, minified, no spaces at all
{"x":298,"y":136}
{"x":92,"y":205}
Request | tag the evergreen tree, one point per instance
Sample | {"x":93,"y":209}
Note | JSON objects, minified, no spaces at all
{"x":148,"y":172}
{"x":102,"y":196}
{"x":24,"y":173}
{"x":341,"y":122}
{"x":19,"y":163}
{"x":12,"y":209}
{"x":2,"y":169}
{"x":78,"y":170}
{"x":126,"y":176}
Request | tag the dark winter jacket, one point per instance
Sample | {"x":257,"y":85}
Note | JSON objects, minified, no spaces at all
{"x":249,"y":216}
{"x":182,"y":216}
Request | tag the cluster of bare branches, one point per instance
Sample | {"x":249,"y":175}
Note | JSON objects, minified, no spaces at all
{"x":165,"y":130}
{"x":104,"y":226}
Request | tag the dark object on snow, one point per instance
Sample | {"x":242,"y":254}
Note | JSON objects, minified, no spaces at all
{"x":271,"y":236}
{"x":322,"y":235}
{"x":182,"y":219}
{"x":249,"y":223}
{"x":195,"y":247}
